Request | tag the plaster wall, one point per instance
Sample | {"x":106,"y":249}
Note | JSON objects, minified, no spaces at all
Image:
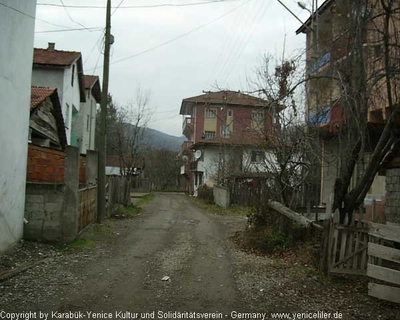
{"x":87,"y":120}
{"x":60,"y":78}
{"x":17,"y":32}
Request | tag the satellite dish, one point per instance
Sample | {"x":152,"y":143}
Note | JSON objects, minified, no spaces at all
{"x":197,"y":154}
{"x":185,"y":158}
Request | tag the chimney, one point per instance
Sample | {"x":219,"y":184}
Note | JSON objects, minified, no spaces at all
{"x":51,"y":46}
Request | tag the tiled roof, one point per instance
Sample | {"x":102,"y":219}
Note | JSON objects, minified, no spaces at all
{"x":54,"y":57}
{"x":39,"y":94}
{"x":59,"y":58}
{"x":93,"y":83}
{"x":89,"y":80}
{"x":224,"y":97}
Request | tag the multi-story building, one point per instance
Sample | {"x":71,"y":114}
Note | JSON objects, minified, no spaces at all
{"x":226,"y":133}
{"x":17,"y":32}
{"x":347,"y":85}
{"x":86,"y":126}
{"x":62,"y":70}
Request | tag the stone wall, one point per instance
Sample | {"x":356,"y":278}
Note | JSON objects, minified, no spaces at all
{"x":43,"y":212}
{"x":392,"y":207}
{"x":57,"y":212}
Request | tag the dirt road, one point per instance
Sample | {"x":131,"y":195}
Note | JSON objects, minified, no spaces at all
{"x":122,"y":270}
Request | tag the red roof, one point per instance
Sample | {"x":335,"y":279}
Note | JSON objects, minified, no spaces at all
{"x":89,"y":80}
{"x":39,"y":94}
{"x":224,"y":97}
{"x":93,"y":83}
{"x":55,"y":57}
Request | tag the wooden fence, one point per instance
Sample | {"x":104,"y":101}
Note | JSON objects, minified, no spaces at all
{"x":118,"y":192}
{"x":384,"y":262}
{"x":87,"y":207}
{"x":347,"y":252}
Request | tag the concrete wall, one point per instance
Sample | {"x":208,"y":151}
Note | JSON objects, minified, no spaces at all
{"x":56,"y":212}
{"x":221,"y":196}
{"x":16,"y":56}
{"x":208,"y":164}
{"x":392,"y":206}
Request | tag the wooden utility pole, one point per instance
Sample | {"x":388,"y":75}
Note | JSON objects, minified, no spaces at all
{"x":101,"y":187}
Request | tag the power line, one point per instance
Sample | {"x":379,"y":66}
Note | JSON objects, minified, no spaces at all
{"x":66,"y":30}
{"x":70,"y":18}
{"x":180,"y":36}
{"x":139,"y":7}
{"x":117,"y":7}
{"x":32,"y":17}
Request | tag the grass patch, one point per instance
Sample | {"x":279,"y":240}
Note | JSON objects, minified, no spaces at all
{"x":146,"y":199}
{"x":263,"y":241}
{"x":233,"y":210}
{"x":80,"y":242}
{"x":131,"y":210}
{"x":127,"y":211}
{"x":104,"y":228}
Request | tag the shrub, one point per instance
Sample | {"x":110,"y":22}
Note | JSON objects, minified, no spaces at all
{"x":206,"y":194}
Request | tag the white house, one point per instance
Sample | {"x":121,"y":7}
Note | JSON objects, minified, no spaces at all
{"x":62,"y":70}
{"x":17,"y":32}
{"x":86,"y":128}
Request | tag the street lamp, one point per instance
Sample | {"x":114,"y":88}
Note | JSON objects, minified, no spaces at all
{"x":303,"y":6}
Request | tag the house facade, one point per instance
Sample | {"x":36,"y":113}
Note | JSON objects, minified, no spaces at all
{"x":62,"y":70}
{"x":46,"y":124}
{"x":15,"y":75}
{"x":226,"y":134}
{"x":86,"y":128}
{"x":332,"y":44}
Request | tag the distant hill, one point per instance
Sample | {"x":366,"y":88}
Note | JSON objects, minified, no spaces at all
{"x":158,"y":140}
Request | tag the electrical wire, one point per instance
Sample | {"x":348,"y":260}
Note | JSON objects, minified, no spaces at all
{"x":67,"y":30}
{"x":32,"y":17}
{"x":117,"y":7}
{"x":140,"y":7}
{"x":178,"y":37}
{"x":243,"y":47}
{"x":70,"y":18}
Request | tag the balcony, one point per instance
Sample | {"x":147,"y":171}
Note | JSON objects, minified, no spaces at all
{"x":186,"y":145}
{"x":323,"y":60}
{"x":188,"y":126}
{"x":328,"y":115}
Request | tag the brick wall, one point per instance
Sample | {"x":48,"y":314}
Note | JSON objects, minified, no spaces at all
{"x":392,"y":206}
{"x":47,"y":165}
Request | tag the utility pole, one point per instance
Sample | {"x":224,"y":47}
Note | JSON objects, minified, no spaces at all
{"x":101,"y":187}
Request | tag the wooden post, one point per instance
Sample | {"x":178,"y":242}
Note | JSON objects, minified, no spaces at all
{"x":324,"y":255}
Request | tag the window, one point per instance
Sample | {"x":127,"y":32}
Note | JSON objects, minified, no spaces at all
{"x":211,"y":113}
{"x":257,"y":120}
{"x":73,"y":75}
{"x":67,"y":116}
{"x":209,"y":134}
{"x":257,"y":116}
{"x":257,"y":157}
{"x":87,"y":122}
{"x":230,"y":113}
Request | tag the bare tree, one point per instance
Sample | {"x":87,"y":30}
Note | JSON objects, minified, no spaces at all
{"x":365,"y":75}
{"x":125,"y":127}
{"x":291,"y":152}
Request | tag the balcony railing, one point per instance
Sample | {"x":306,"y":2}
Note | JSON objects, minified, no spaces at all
{"x":320,"y":62}
{"x":188,"y":123}
{"x":186,"y":145}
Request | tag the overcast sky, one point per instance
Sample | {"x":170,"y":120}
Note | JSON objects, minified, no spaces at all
{"x":176,"y":52}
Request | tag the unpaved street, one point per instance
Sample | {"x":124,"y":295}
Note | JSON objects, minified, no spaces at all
{"x":122,"y":270}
